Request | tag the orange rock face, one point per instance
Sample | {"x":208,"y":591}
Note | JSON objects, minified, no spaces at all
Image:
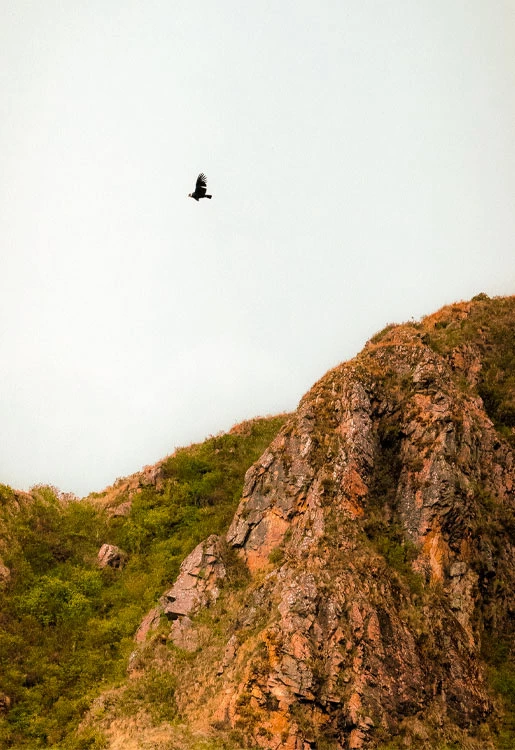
{"x":377,"y":524}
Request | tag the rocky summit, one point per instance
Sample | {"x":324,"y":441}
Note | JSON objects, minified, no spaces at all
{"x":362,"y":595}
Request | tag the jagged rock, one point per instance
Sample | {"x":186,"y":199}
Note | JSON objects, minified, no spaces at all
{"x":112,"y":556}
{"x":149,"y":622}
{"x":117,"y":499}
{"x":394,"y":436}
{"x":229,"y":654}
{"x":152,"y":475}
{"x":377,"y":533}
{"x":197,"y":582}
{"x":196,"y":585}
{"x":121,"y":511}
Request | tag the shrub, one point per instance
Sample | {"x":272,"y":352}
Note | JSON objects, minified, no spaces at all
{"x":66,"y":627}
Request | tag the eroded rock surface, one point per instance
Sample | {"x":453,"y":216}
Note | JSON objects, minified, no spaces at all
{"x":196,"y":586}
{"x":198,"y":580}
{"x":377,"y":529}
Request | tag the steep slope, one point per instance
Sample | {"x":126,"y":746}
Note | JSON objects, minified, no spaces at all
{"x":76,"y":577}
{"x":363,"y":595}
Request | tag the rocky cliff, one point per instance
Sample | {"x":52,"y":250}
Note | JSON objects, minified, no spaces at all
{"x":365,"y":585}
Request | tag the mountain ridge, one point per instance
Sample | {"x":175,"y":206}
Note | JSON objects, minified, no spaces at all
{"x":361,"y":595}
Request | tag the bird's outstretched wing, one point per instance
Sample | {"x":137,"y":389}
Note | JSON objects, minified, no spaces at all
{"x":201,"y":185}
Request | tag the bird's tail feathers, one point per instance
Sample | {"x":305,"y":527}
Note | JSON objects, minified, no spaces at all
{"x":208,"y":196}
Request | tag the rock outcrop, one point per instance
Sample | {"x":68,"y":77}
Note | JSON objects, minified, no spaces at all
{"x":377,"y":530}
{"x":109,"y":555}
{"x":197,"y":586}
{"x":117,"y":499}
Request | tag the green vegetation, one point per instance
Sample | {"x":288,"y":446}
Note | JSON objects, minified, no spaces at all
{"x":498,"y":654}
{"x":490,"y":325}
{"x":157,"y":691}
{"x":276,"y":556}
{"x":66,"y":626}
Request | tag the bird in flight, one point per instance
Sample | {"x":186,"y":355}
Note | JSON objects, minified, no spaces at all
{"x":200,"y":188}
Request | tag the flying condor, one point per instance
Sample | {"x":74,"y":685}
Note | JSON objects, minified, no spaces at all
{"x":200,"y":188}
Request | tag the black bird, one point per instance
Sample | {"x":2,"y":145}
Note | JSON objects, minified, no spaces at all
{"x":200,"y":188}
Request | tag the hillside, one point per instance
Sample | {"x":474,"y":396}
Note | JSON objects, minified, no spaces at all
{"x":66,"y":623}
{"x":354,"y":590}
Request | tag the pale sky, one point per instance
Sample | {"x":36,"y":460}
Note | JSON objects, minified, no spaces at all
{"x":361,"y":156}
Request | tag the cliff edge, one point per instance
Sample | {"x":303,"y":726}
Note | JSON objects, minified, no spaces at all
{"x":367,"y":576}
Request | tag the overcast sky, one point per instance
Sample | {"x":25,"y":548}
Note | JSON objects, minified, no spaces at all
{"x":361,"y":156}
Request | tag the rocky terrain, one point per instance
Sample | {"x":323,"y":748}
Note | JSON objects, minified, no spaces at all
{"x":363,"y":594}
{"x":368,"y":572}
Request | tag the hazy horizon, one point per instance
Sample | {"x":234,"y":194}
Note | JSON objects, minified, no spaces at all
{"x":362,"y":164}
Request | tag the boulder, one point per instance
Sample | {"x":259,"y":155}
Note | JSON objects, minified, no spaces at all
{"x":197,"y":582}
{"x":109,"y":555}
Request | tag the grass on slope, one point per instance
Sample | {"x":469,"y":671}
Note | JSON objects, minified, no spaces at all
{"x":490,"y":326}
{"x":66,"y":626}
